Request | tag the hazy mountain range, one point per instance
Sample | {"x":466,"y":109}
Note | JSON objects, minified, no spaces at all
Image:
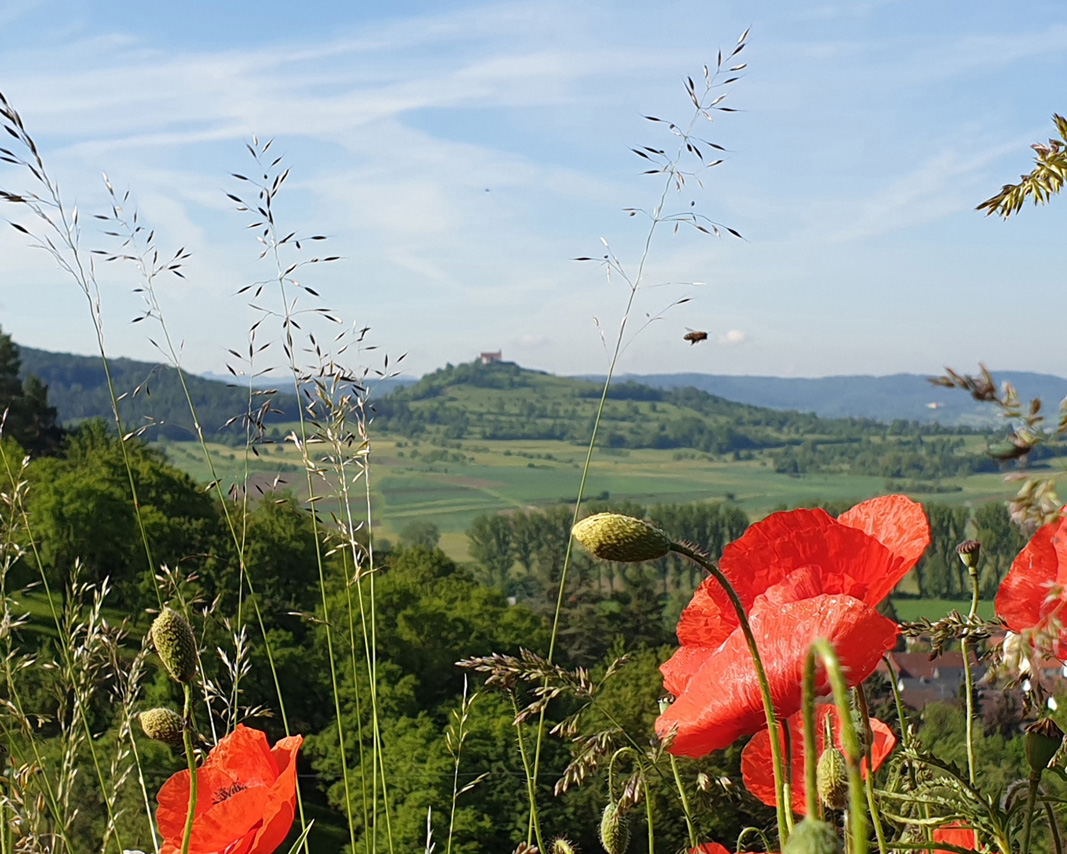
{"x":77,"y":389}
{"x":907,"y":396}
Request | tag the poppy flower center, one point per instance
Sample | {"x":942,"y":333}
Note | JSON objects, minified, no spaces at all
{"x":227,"y":793}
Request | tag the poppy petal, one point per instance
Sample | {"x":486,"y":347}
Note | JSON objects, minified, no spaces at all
{"x":751,"y":564}
{"x":708,"y":718}
{"x":246,"y":797}
{"x":245,"y":753}
{"x":1032,"y":595}
{"x":900,"y":525}
{"x":682,"y":666}
{"x":955,"y":834}
{"x":280,"y":809}
{"x":757,"y":763}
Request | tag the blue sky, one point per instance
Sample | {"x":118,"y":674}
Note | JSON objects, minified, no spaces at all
{"x":459,"y":155}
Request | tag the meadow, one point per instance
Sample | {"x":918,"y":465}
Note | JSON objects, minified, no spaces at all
{"x":449,"y":485}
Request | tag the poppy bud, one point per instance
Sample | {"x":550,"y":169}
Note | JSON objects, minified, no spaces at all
{"x":611,"y":536}
{"x":969,"y":552}
{"x":163,"y":725}
{"x":812,"y":836}
{"x":831,"y":775}
{"x":172,"y":636}
{"x":1043,"y":739}
{"x":562,"y":846}
{"x":614,"y":830}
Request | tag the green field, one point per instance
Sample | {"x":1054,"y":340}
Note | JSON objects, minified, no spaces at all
{"x":449,"y":486}
{"x":909,"y":609}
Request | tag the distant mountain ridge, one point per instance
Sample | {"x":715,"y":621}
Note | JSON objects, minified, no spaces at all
{"x":78,"y":390}
{"x":886,"y":398}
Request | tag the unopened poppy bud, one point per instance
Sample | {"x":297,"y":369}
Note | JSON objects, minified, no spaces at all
{"x":1043,"y":739}
{"x":562,"y":846}
{"x":611,"y":536}
{"x":163,"y":725}
{"x":172,"y":636}
{"x":614,"y":830}
{"x":812,"y":836}
{"x":969,"y":552}
{"x":831,"y":776}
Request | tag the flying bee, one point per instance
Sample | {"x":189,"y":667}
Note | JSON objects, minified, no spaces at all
{"x":692,"y":336}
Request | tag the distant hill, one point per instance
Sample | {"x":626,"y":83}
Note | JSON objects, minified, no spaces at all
{"x":898,"y":396}
{"x":153,"y":395}
{"x":377,"y":387}
{"x":503,"y":402}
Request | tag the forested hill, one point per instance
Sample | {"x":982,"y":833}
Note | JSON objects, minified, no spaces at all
{"x":505,"y":402}
{"x":151,"y":394}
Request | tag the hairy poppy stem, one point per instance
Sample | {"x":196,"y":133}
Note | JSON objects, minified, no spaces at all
{"x":810,"y":759}
{"x":965,"y":647}
{"x":783,"y":809}
{"x":868,"y":749}
{"x":187,"y":735}
{"x":850,"y":741}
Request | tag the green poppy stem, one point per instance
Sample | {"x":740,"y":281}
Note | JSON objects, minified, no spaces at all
{"x":187,"y":736}
{"x":850,"y":741}
{"x":784,"y":811}
{"x":810,"y":759}
{"x":968,"y":678}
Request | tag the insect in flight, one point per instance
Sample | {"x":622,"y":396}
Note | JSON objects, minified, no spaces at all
{"x":692,"y":336}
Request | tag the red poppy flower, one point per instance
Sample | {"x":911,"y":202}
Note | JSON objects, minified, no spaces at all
{"x":800,"y":575}
{"x":955,"y":834}
{"x":756,"y":764}
{"x":710,"y":848}
{"x":1034,"y":595}
{"x":246,"y":797}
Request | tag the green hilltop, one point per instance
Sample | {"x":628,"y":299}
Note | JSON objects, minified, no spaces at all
{"x":504,"y":402}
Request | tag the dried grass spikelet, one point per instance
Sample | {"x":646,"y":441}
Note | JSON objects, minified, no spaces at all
{"x":831,"y":776}
{"x":163,"y":725}
{"x":172,"y":637}
{"x":812,"y":836}
{"x":612,"y":536}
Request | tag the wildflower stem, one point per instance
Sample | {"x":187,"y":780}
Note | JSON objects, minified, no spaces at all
{"x":784,"y":813}
{"x":857,"y":811}
{"x":868,"y":742}
{"x":810,"y":759}
{"x":651,"y":826}
{"x":693,"y":843}
{"x":1031,"y":802}
{"x":534,"y":828}
{"x":967,"y":675}
{"x":187,"y":737}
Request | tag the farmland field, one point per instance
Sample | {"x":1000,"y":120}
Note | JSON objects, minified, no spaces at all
{"x":450,"y":485}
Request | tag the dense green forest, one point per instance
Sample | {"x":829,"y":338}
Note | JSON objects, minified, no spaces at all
{"x":153,"y":396}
